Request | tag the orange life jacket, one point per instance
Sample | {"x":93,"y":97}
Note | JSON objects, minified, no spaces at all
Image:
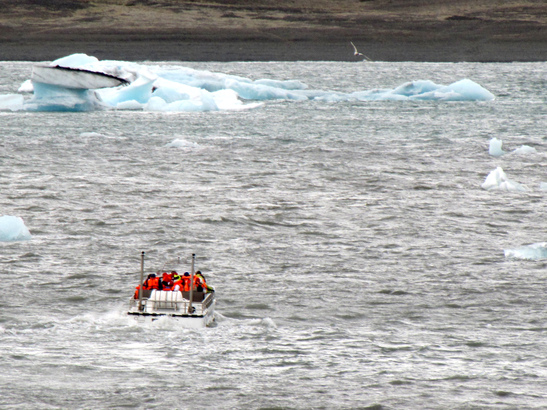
{"x":185,"y":283}
{"x":136,"y":296}
{"x":153,"y":283}
{"x":199,"y":283}
{"x":180,"y":284}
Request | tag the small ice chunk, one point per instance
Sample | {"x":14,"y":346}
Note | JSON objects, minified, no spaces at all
{"x":181,"y":143}
{"x":495,"y":148}
{"x":26,"y":87}
{"x":11,"y":102}
{"x":532,"y":252}
{"x":12,"y":228}
{"x":498,"y":180}
{"x":525,"y":150}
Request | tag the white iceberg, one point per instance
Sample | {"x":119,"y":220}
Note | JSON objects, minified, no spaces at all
{"x":495,"y":148}
{"x":534,"y":251}
{"x":11,"y":102}
{"x":498,"y":180}
{"x":12,"y":228}
{"x":525,"y":150}
{"x":157,"y":88}
{"x":183,"y":144}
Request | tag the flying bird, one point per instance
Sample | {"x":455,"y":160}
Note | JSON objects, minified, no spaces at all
{"x":357,"y":53}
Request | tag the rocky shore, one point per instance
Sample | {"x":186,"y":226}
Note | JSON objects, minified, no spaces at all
{"x":288,"y":30}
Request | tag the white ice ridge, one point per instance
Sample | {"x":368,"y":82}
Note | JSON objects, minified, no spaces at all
{"x":532,"y":252}
{"x":177,"y":88}
{"x":498,"y":180}
{"x":12,"y":228}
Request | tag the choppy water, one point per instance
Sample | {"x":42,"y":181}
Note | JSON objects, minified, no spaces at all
{"x":357,"y":261}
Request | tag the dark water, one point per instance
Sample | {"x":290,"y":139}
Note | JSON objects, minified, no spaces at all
{"x":357,"y":260}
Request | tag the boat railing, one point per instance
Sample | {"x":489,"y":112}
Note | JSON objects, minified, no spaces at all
{"x":174,"y":302}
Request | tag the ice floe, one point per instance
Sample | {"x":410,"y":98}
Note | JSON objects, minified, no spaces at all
{"x":531,"y":252}
{"x":498,"y":180}
{"x":12,"y":228}
{"x":178,"y":89}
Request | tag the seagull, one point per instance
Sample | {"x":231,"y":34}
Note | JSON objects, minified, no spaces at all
{"x":357,"y":53}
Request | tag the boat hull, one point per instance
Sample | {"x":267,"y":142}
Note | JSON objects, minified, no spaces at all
{"x":186,"y":321}
{"x":156,"y":304}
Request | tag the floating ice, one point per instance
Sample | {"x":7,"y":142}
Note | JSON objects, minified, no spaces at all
{"x":543,"y":186}
{"x":11,"y":102}
{"x":26,"y":87}
{"x":495,"y":148}
{"x":157,"y":88}
{"x":496,"y":151}
{"x":525,"y":150}
{"x":184,"y":144}
{"x":49,"y":97}
{"x":425,"y":90}
{"x":498,"y":180}
{"x":533,"y":252}
{"x":90,"y":134}
{"x":12,"y":228}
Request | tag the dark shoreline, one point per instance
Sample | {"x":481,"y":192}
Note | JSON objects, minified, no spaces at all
{"x":150,"y":49}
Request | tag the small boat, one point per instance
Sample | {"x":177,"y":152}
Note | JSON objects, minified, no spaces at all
{"x":193,"y":308}
{"x":74,"y":78}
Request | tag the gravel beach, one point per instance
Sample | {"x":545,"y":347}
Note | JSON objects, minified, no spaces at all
{"x":299,"y":30}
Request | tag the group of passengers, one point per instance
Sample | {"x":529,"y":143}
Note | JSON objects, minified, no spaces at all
{"x":175,"y":282}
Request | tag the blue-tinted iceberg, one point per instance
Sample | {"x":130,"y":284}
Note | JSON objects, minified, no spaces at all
{"x":12,"y":228}
{"x":534,"y":251}
{"x":157,"y":88}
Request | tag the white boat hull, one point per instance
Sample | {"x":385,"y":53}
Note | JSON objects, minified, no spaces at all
{"x":175,"y":305}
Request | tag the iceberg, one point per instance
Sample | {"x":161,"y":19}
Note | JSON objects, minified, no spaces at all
{"x":49,"y":97}
{"x":11,"y":102}
{"x":534,"y":251}
{"x":525,"y":150}
{"x":495,"y":148}
{"x":498,"y":180}
{"x":183,"y":144}
{"x":168,"y":89}
{"x":12,"y":228}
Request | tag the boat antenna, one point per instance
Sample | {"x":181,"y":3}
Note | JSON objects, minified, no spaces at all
{"x":142,"y":280}
{"x":190,"y":308}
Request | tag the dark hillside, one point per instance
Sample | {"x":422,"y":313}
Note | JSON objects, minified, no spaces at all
{"x":433,"y":30}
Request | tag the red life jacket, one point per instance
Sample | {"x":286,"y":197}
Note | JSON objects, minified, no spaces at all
{"x":136,"y":296}
{"x":180,"y":284}
{"x":153,"y":283}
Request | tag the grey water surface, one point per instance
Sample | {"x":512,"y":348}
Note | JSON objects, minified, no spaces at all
{"x":357,"y":261}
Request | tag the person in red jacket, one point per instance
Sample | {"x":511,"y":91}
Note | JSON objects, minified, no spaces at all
{"x":204,"y":286}
{"x":136,"y":296}
{"x":167,"y":281}
{"x":152,"y":282}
